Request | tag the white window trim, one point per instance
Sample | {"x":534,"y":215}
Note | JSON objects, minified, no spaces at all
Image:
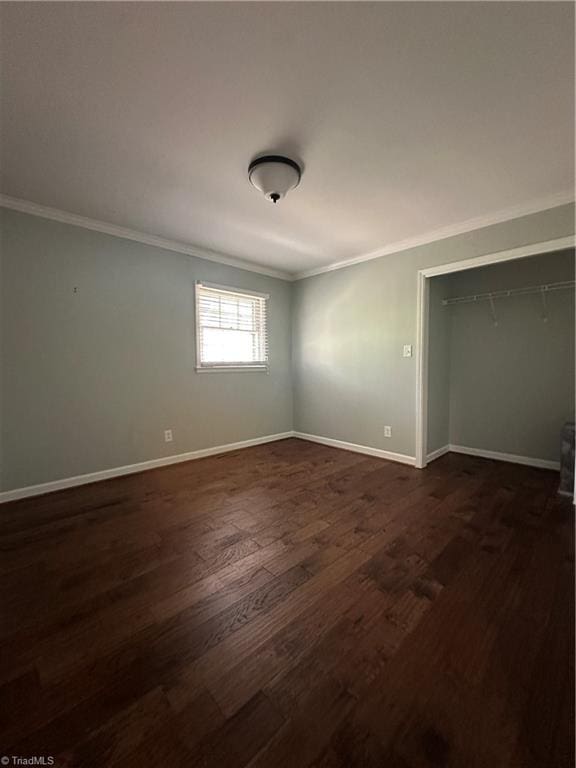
{"x":232,"y":289}
{"x":218,"y":367}
{"x":232,"y":369}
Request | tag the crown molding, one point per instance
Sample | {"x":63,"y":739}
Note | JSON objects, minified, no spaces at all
{"x":34,"y":209}
{"x":508,"y":214}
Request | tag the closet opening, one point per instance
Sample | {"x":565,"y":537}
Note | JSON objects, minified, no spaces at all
{"x":497,"y":359}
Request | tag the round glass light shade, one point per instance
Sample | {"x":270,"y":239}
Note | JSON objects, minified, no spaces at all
{"x":274,"y":176}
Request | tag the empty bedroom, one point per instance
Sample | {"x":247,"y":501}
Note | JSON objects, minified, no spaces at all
{"x":287,"y":384}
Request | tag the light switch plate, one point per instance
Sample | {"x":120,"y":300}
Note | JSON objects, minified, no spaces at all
{"x":407,"y":350}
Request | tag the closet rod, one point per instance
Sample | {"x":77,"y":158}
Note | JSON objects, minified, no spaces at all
{"x":547,"y":288}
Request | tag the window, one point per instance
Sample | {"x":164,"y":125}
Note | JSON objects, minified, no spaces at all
{"x":231,"y":328}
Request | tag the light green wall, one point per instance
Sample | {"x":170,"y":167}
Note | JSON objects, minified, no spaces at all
{"x":91,"y":379}
{"x":511,"y":385}
{"x":439,"y":366}
{"x":350,"y":378}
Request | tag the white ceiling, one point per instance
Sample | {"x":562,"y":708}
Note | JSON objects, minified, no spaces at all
{"x":408,"y":117}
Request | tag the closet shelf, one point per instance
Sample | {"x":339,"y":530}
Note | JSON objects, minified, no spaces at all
{"x":533,"y":289}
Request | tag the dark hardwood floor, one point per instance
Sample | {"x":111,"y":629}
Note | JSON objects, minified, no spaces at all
{"x":292,"y":605}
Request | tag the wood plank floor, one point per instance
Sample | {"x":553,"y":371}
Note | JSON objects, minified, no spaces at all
{"x":292,"y":605}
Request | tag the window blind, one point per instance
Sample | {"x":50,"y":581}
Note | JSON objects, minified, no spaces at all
{"x":231,"y":328}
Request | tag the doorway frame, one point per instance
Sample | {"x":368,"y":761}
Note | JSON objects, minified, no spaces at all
{"x":422,"y":320}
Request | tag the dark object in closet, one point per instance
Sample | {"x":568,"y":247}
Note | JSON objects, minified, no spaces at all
{"x":567,"y":460}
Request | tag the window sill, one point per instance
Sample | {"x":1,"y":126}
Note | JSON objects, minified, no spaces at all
{"x":232,"y":369}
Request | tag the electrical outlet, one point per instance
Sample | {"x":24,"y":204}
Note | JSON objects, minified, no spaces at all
{"x":387,"y":431}
{"x":168,"y":436}
{"x":407,"y":350}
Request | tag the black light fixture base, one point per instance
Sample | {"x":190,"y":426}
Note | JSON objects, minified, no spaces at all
{"x":275,"y":159}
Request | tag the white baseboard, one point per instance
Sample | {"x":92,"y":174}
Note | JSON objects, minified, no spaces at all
{"x":529,"y":461}
{"x":402,"y":458}
{"x":106,"y":474}
{"x":437,"y":453}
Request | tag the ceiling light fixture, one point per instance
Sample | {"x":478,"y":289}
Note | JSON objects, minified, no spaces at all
{"x":274,"y":176}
